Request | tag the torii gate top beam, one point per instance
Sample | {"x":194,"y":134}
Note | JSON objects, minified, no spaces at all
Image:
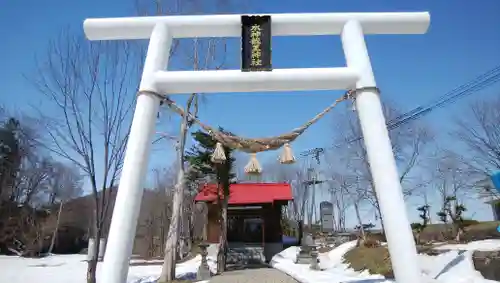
{"x":230,"y":25}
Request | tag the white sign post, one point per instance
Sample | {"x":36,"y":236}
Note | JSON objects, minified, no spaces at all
{"x":357,"y":74}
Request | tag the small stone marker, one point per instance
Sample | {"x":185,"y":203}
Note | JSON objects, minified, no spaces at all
{"x":326,"y":214}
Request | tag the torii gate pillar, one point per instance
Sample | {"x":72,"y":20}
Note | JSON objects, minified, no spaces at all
{"x":383,"y":167}
{"x":358,"y":74}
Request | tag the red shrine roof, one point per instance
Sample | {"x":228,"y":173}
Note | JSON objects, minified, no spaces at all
{"x":248,"y":193}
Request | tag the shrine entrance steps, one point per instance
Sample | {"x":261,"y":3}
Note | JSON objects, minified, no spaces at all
{"x":245,"y":255}
{"x":247,"y":264}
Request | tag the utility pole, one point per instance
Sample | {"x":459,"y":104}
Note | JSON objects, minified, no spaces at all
{"x":312,"y":179}
{"x":315,"y":152}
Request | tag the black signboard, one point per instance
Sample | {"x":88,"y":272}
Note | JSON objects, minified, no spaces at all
{"x":256,"y":43}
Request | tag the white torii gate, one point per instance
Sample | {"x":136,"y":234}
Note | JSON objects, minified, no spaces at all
{"x":358,"y":74}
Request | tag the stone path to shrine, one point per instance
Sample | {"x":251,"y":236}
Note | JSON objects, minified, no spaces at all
{"x":261,"y":275}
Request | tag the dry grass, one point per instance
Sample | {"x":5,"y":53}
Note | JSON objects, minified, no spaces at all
{"x":487,"y":225}
{"x":479,"y":231}
{"x":375,"y":260}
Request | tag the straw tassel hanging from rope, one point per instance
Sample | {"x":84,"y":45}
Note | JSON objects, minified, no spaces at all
{"x":287,"y":155}
{"x":218,"y":156}
{"x":253,"y":166}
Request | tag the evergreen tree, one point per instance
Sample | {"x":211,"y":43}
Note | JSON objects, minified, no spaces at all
{"x":202,"y":169}
{"x":10,"y":157}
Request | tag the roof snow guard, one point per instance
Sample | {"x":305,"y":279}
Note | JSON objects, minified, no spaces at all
{"x":248,"y":193}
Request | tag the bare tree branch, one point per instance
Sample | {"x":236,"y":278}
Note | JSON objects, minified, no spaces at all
{"x":480,"y":133}
{"x":408,"y":143}
{"x":91,"y":89}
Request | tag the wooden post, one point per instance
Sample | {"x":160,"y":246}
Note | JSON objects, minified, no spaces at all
{"x":205,"y":235}
{"x":263,"y":217}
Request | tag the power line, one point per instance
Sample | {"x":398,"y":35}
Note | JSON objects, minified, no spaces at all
{"x":451,"y":99}
{"x":480,"y":82}
{"x":461,"y":88}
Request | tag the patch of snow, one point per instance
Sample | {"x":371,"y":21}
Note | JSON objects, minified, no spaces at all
{"x":450,"y":267}
{"x":484,"y":245}
{"x":145,"y":261}
{"x":334,"y":269}
{"x":72,"y":268}
{"x":454,"y":266}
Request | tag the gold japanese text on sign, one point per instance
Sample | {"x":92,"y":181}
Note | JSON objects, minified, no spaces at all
{"x":255,"y":33}
{"x":256,"y":43}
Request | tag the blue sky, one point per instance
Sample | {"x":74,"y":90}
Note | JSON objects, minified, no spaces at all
{"x":463,"y":41}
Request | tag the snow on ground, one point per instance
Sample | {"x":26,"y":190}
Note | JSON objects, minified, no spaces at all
{"x":72,"y":269}
{"x":452,"y":267}
{"x":335,"y":270}
{"x":484,"y":245}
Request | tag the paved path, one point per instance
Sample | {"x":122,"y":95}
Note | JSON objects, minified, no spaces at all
{"x":260,"y":275}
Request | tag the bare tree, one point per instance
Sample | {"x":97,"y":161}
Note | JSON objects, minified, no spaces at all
{"x":342,"y":196}
{"x":27,"y":212}
{"x":33,"y":173}
{"x":480,"y":133}
{"x":296,"y":176}
{"x":408,"y":143}
{"x":91,"y":89}
{"x":293,"y":175}
{"x":64,"y":183}
{"x":34,"y":166}
{"x":157,"y":210}
{"x":20,"y":219}
{"x":42,"y":184}
{"x":301,"y":195}
{"x":450,"y":175}
{"x":452,"y":181}
{"x":346,"y":189}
